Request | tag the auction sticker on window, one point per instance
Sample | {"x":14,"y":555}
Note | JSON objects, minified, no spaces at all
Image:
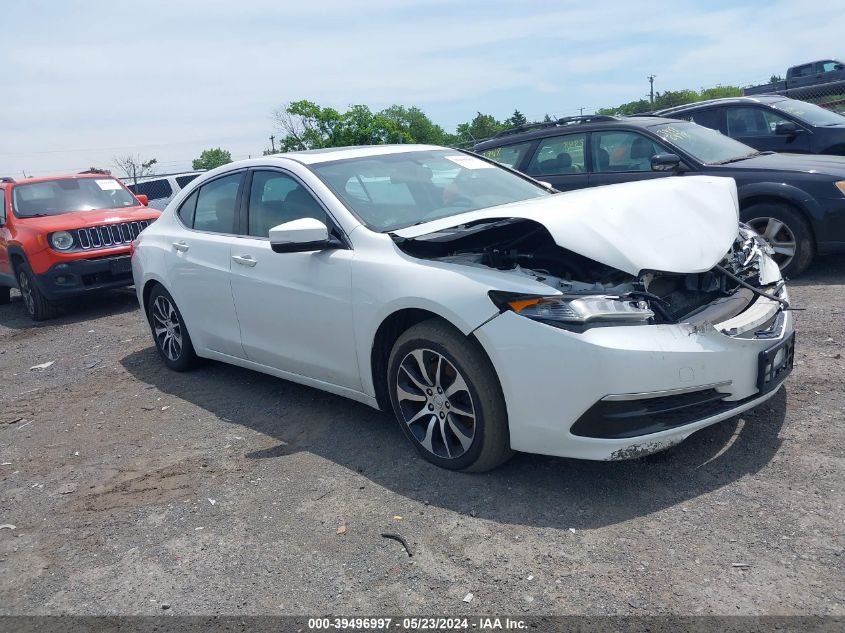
{"x":469,"y":162}
{"x":108,"y":184}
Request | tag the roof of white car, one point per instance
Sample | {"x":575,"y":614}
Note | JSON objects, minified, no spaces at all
{"x":314,"y":156}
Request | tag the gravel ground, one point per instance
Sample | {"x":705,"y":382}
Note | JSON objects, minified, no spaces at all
{"x":222,"y":491}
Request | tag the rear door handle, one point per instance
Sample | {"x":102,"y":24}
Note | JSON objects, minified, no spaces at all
{"x":245,"y":260}
{"x":181,"y":246}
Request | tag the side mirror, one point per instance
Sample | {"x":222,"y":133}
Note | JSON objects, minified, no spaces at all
{"x":665,"y":162}
{"x":142,"y":199}
{"x":299,"y":236}
{"x":787,"y":128}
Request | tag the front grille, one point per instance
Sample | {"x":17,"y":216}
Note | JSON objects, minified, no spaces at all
{"x":108,"y":235}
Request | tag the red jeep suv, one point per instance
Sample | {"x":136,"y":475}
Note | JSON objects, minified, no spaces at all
{"x":63,"y":236}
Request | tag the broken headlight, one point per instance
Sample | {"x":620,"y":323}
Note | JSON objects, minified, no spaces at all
{"x":582,"y":310}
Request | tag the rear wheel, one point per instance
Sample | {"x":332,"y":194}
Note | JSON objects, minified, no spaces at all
{"x":169,"y":332}
{"x":447,"y":398}
{"x":786,"y":231}
{"x":37,"y":305}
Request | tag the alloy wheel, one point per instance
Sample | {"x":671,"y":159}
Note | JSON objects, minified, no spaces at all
{"x":26,"y":292}
{"x":167,"y":329}
{"x":435,"y":403}
{"x":779,"y":236}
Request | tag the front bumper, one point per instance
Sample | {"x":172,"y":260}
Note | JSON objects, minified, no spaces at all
{"x":79,"y":276}
{"x":554,"y":381}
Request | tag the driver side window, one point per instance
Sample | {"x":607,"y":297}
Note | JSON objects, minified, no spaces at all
{"x":276,"y":198}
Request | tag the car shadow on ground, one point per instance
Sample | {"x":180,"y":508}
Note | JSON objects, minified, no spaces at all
{"x":529,"y":490}
{"x":84,"y":308}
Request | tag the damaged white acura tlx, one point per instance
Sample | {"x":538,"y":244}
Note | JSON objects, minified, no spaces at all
{"x":488,"y":312}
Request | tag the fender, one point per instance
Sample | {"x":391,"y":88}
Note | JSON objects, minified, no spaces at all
{"x":789,"y":193}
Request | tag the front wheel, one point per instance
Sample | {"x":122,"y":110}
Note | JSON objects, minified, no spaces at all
{"x":37,"y":305}
{"x":787,"y":232}
{"x":447,"y":398}
{"x":169,"y":332}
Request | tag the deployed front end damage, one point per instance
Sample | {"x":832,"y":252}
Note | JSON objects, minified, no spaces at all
{"x":635,"y":360}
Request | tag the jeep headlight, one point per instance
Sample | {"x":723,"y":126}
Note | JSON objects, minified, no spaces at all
{"x":62,"y":240}
{"x":581,"y":310}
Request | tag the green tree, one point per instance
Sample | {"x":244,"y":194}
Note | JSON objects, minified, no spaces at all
{"x":671,"y":98}
{"x":211,"y":158}
{"x":412,"y":125}
{"x":516,"y":119}
{"x":775,"y":78}
{"x":481,"y":127}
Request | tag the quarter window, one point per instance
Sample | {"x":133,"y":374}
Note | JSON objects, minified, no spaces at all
{"x":559,"y":155}
{"x":186,"y":211}
{"x":510,"y":155}
{"x":752,"y":121}
{"x":276,"y":198}
{"x":623,"y":151}
{"x":216,"y":204}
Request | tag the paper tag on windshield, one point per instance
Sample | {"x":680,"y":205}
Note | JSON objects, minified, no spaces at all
{"x":469,"y":162}
{"x":108,"y":184}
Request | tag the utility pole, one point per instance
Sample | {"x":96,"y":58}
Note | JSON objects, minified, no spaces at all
{"x":651,"y":89}
{"x":273,"y":143}
{"x":582,"y":111}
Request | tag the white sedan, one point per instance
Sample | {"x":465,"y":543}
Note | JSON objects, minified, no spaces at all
{"x":489,"y":312}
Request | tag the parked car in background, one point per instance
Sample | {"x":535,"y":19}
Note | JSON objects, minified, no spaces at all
{"x":490,"y":314}
{"x":796,"y":202}
{"x":803,"y":76}
{"x":161,"y":189}
{"x":769,"y":123}
{"x":65,"y":236}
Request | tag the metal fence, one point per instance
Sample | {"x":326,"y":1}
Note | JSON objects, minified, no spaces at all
{"x":828,"y":95}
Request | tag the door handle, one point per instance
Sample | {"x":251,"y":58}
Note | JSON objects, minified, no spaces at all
{"x":245,"y":260}
{"x":181,"y":246}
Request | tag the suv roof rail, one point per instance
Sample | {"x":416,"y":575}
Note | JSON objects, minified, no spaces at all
{"x":6,"y":179}
{"x":586,"y":118}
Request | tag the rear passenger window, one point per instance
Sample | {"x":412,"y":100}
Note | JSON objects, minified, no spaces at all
{"x":153,"y":189}
{"x":216,"y":204}
{"x":559,"y":155}
{"x":186,"y":211}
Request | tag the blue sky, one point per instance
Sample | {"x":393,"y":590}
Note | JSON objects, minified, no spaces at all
{"x":86,"y":81}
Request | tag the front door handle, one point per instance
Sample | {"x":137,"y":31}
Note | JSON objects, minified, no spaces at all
{"x":245,"y":260}
{"x":181,"y":246}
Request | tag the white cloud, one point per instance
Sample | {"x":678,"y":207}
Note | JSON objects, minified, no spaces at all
{"x":90,"y":81}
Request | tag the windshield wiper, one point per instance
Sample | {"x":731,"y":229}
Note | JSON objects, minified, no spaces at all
{"x":739,"y":158}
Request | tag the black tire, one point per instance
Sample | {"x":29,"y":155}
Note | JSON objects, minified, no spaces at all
{"x":490,"y":442}
{"x":183,"y":358}
{"x":5,"y":295}
{"x":36,"y":304}
{"x":758,"y":215}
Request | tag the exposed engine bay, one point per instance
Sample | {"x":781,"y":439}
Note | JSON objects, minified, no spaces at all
{"x":525,"y":247}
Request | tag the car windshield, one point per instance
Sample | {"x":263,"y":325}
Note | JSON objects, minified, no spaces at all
{"x":66,"y":195}
{"x":809,"y":112}
{"x":705,"y":145}
{"x":392,"y":191}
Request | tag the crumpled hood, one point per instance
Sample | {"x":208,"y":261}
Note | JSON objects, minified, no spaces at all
{"x":677,"y":224}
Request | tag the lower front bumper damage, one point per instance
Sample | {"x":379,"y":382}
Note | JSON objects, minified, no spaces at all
{"x":85,"y":275}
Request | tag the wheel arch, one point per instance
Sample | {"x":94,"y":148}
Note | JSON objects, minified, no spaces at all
{"x":387,"y":333}
{"x":780,"y":194}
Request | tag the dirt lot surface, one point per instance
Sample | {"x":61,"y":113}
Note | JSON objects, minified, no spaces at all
{"x":222,"y":490}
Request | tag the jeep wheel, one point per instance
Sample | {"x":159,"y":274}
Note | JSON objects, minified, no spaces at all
{"x":36,"y":303}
